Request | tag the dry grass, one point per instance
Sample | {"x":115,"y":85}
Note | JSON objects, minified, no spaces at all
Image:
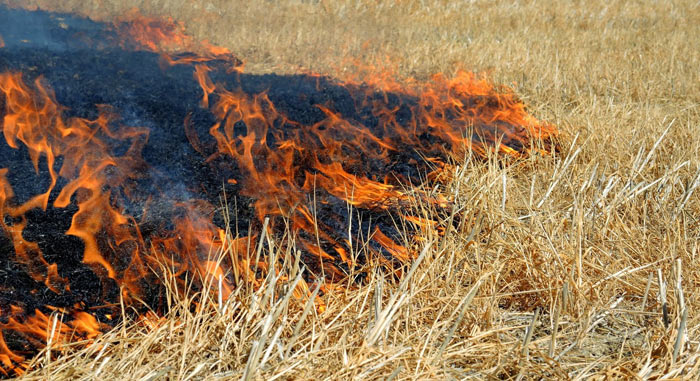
{"x":554,"y":270}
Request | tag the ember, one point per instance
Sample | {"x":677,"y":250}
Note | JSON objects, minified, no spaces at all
{"x":119,"y":152}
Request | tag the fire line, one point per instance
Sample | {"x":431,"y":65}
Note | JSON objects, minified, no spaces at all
{"x":122,"y":141}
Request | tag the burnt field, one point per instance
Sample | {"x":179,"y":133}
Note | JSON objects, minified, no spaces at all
{"x":118,"y":159}
{"x":344,"y":211}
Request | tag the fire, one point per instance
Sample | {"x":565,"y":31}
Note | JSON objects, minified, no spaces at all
{"x":152,"y":34}
{"x":40,"y":329}
{"x":323,"y":162}
{"x":168,"y":37}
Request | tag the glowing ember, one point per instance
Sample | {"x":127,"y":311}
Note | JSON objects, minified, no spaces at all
{"x":123,"y":167}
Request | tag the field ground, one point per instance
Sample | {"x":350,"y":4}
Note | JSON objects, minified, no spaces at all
{"x":555,"y":274}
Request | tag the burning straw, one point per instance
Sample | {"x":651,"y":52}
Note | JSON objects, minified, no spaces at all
{"x":321,"y":166}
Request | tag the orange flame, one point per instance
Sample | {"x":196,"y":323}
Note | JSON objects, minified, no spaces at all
{"x":153,"y":34}
{"x":446,"y":108}
{"x":40,"y":330}
{"x":288,"y":173}
{"x":33,"y":118}
{"x":167,"y":37}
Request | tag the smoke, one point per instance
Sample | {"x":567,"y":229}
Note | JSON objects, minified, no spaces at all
{"x":23,"y":29}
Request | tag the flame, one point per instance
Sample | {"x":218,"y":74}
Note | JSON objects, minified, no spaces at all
{"x":40,"y":329}
{"x":168,"y":38}
{"x":307,"y":179}
{"x":150,"y":33}
{"x":34,"y":119}
{"x":284,"y":161}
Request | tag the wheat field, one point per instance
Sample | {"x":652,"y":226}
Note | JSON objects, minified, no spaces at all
{"x":563,"y":262}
